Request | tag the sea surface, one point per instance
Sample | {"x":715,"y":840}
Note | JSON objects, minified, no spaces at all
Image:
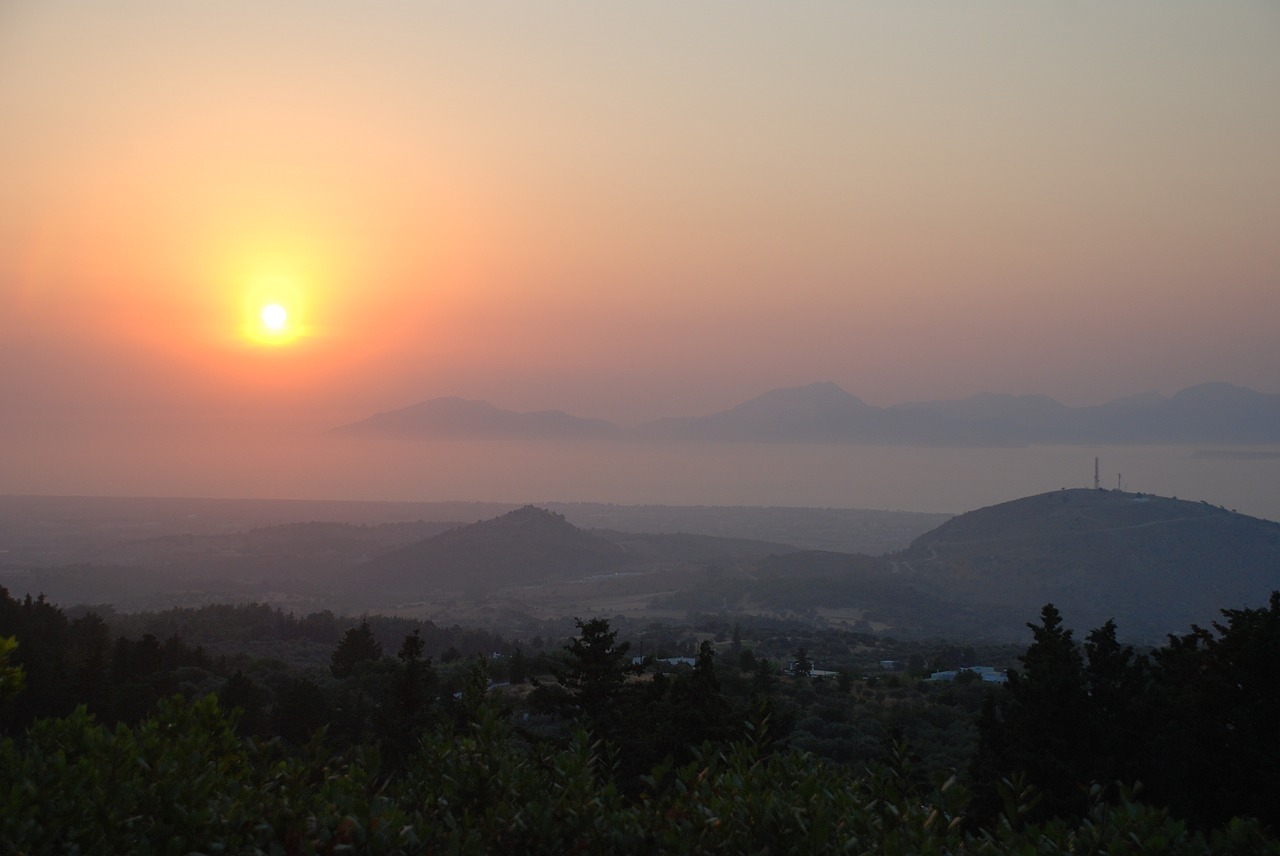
{"x":244,"y":464}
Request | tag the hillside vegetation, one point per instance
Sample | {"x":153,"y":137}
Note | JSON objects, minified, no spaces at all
{"x":604,"y":755}
{"x":1154,"y":564}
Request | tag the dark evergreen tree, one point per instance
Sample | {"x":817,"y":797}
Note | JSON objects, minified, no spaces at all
{"x":320,"y":627}
{"x":414,"y":673}
{"x":409,"y":706}
{"x":764,"y":680}
{"x":91,"y":653}
{"x":146,"y":657}
{"x":518,"y":672}
{"x":844,"y":681}
{"x":301,"y":709}
{"x":42,"y":652}
{"x":802,"y":666}
{"x":1118,"y":715}
{"x":1194,"y":725}
{"x":356,"y":647}
{"x":243,"y":695}
{"x":136,"y":684}
{"x":594,"y":673}
{"x":1041,"y":728}
{"x":1215,"y":748}
{"x":699,"y":710}
{"x":11,"y":676}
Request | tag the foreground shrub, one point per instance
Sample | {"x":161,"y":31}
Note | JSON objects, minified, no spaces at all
{"x":183,"y":782}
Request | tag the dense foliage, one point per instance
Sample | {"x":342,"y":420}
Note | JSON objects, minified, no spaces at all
{"x":406,"y":752}
{"x":183,"y":781}
{"x":1194,"y":721}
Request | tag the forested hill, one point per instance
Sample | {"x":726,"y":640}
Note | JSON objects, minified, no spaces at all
{"x":527,"y":545}
{"x":1153,"y":563}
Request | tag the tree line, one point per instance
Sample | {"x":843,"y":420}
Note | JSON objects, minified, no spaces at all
{"x":1088,"y":746}
{"x":1193,"y":721}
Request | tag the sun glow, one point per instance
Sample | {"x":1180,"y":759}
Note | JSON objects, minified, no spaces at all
{"x":272,"y":307}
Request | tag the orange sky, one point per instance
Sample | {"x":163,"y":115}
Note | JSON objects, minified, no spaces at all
{"x":629,"y":210}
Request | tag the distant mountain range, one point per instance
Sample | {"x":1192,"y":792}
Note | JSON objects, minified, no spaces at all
{"x":1210,"y":413}
{"x":461,"y":418}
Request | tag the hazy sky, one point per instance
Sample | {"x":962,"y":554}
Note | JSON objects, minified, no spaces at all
{"x":629,"y":210}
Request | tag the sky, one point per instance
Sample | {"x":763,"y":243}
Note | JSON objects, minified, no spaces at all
{"x":626,"y":210}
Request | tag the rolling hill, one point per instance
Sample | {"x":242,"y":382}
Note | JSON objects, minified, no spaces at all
{"x":521,"y":547}
{"x":1154,"y":564}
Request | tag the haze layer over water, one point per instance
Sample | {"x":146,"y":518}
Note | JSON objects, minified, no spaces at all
{"x":854,"y":476}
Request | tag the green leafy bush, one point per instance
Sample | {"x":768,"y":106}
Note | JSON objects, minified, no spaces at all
{"x":182,"y":781}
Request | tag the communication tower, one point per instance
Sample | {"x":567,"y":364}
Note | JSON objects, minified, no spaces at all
{"x":1096,"y":483}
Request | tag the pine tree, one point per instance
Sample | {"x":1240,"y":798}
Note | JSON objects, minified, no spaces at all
{"x":1042,"y":728}
{"x":11,"y":677}
{"x":701,"y":708}
{"x":357,"y":646}
{"x":519,"y":671}
{"x":596,"y":670}
{"x":803,"y":666}
{"x":1216,"y":701}
{"x":241,"y":693}
{"x":413,"y":679}
{"x":1118,"y":719}
{"x":301,"y":709}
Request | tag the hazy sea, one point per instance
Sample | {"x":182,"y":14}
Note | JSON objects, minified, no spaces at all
{"x":246,"y":465}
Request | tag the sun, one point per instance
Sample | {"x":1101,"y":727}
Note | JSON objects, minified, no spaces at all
{"x":273,"y":308}
{"x":274,"y":317}
{"x":273,"y":325}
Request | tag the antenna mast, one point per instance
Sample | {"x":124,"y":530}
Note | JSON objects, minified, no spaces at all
{"x":1096,"y":483}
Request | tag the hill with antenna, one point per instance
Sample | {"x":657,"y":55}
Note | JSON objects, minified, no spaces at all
{"x":1154,"y":564}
